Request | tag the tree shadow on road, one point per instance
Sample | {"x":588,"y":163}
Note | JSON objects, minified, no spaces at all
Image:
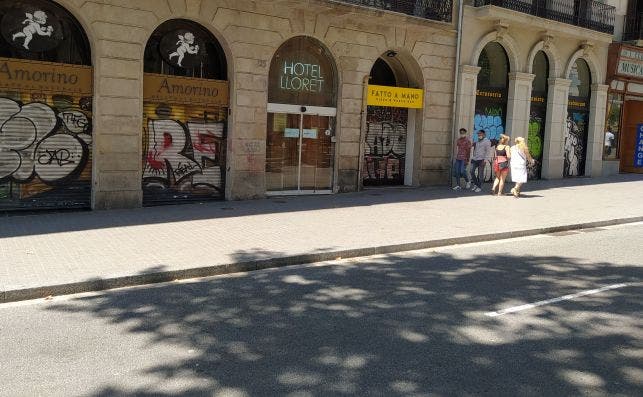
{"x":395,"y":325}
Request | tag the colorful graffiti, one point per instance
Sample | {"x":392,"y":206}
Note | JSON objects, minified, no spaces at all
{"x":43,"y":147}
{"x":184,"y":152}
{"x":385,"y":149}
{"x":489,"y":118}
{"x":535,"y":140}
{"x":575,"y":144}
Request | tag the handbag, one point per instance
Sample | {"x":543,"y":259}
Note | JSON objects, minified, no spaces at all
{"x":502,"y":165}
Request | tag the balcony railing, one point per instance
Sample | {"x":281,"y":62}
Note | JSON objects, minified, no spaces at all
{"x":584,"y":13}
{"x":436,"y":10}
{"x":633,"y":29}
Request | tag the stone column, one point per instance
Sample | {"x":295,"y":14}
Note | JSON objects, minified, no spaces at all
{"x":596,"y":130}
{"x":518,"y":104}
{"x":466,"y":98}
{"x":555,"y":124}
{"x":117,"y":133}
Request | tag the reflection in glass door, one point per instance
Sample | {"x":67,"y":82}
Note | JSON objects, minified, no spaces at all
{"x":299,"y":153}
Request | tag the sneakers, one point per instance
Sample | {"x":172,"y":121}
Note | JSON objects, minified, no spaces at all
{"x":457,"y":187}
{"x":477,"y":190}
{"x":468,"y":185}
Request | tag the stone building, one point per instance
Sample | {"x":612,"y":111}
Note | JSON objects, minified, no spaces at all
{"x":115,"y":103}
{"x":537,"y":69}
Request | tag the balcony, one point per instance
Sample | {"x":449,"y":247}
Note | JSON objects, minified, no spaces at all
{"x":583,"y":13}
{"x":633,"y":29}
{"x":435,"y":10}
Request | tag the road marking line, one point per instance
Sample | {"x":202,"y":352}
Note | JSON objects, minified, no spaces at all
{"x":554,"y":300}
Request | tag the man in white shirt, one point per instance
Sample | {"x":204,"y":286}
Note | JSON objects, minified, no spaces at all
{"x":480,"y":150}
{"x":609,"y":141}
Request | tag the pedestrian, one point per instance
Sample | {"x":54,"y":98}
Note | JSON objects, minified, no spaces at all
{"x":609,"y":141}
{"x":480,"y":150}
{"x":519,"y":158}
{"x":463,"y":145}
{"x":501,"y":158}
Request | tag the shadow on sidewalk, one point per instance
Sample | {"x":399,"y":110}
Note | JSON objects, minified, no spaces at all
{"x":48,"y":222}
{"x":389,"y":326}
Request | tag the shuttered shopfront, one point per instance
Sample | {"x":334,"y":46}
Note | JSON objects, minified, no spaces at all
{"x":184,"y":139}
{"x":185,"y":101}
{"x":45,"y":109}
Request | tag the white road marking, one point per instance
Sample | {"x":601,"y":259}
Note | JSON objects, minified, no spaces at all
{"x":554,"y":300}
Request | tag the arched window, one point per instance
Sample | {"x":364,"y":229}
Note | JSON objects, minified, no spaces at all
{"x":577,"y":119}
{"x":491,"y":99}
{"x":495,"y":67}
{"x":302,"y":72}
{"x":581,"y":79}
{"x":41,"y":30}
{"x":538,"y":113}
{"x":184,"y":48}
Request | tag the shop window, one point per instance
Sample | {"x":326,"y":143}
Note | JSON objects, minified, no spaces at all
{"x":612,"y":126}
{"x":581,"y":79}
{"x":541,"y":71}
{"x":40,"y":30}
{"x":495,"y":67}
{"x":183,"y":48}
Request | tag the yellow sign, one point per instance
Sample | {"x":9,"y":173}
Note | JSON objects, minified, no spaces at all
{"x":175,"y":89}
{"x":46,"y":77}
{"x":397,"y":97}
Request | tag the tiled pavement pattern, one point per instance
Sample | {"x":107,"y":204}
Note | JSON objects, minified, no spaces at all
{"x":59,"y":248}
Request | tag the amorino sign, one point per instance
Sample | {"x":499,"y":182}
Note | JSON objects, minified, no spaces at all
{"x":184,"y":90}
{"x":37,"y":76}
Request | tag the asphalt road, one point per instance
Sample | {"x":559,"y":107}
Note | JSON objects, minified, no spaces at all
{"x":444,"y":322}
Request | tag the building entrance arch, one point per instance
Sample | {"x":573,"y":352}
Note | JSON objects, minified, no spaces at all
{"x":45,"y":108}
{"x":185,"y":103}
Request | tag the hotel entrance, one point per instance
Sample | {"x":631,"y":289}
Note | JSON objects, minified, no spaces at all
{"x":300,"y":141}
{"x":300,"y":150}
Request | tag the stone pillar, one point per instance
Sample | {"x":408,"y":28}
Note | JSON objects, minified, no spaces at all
{"x":466,"y":99}
{"x":596,"y":130}
{"x":555,"y":124}
{"x":518,"y":104}
{"x":117,"y":133}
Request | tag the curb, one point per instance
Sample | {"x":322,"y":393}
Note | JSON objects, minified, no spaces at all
{"x":92,"y":285}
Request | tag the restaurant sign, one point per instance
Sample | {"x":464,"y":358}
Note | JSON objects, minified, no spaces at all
{"x":398,"y":97}
{"x":47,"y":77}
{"x":184,"y":90}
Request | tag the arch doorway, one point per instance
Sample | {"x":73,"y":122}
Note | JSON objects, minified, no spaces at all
{"x":389,"y":140}
{"x":185,"y":103}
{"x":576,"y":130}
{"x":538,"y":113}
{"x":302,"y":108}
{"x":45,"y":108}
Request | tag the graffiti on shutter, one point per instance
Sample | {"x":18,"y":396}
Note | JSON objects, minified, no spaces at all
{"x":184,"y":139}
{"x":385,"y":149}
{"x":45,"y":135}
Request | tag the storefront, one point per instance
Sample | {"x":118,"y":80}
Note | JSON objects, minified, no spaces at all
{"x":302,"y":111}
{"x":45,"y":108}
{"x":185,"y":100}
{"x":538,"y":114}
{"x":624,"y":124}
{"x":390,"y":124}
{"x":491,"y":97}
{"x":576,"y":130}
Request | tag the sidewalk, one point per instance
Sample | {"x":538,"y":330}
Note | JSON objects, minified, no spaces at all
{"x":58,"y":253}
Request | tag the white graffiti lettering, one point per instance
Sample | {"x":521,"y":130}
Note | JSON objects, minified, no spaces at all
{"x":31,"y":144}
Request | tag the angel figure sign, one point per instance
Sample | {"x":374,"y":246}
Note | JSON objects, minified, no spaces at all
{"x":186,"y":46}
{"x":35,"y":24}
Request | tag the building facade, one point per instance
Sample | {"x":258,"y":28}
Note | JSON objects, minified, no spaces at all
{"x":537,"y":69}
{"x":624,"y":124}
{"x":116,"y":104}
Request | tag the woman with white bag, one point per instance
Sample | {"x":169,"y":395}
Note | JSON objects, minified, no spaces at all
{"x":520,"y":157}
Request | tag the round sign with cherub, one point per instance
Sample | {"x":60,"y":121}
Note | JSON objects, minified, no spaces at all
{"x":183,"y":48}
{"x":34,"y":30}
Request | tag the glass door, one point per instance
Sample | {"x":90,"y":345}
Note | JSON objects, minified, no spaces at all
{"x":300,"y":152}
